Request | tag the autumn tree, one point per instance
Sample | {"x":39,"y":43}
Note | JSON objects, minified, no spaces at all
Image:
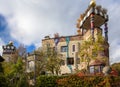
{"x":15,"y":73}
{"x":53,"y":61}
{"x":40,"y":61}
{"x":14,"y":70}
{"x":20,"y":52}
{"x":116,"y":66}
{"x":91,"y":50}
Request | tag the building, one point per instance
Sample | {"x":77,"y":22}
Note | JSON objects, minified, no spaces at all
{"x":8,"y":51}
{"x":89,"y":25}
{"x":68,"y":47}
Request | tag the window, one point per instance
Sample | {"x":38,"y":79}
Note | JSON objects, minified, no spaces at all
{"x":92,"y":69}
{"x":70,"y":61}
{"x":73,"y":48}
{"x":31,"y":65}
{"x":64,"y":48}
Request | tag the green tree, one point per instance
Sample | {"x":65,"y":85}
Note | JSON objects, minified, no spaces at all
{"x":40,"y":61}
{"x":53,"y":61}
{"x":85,"y":52}
{"x":15,"y":73}
{"x":116,"y":66}
{"x":3,"y":79}
{"x":91,"y":50}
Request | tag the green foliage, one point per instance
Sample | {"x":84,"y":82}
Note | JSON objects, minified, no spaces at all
{"x":53,"y":62}
{"x":116,"y":66}
{"x":48,"y":81}
{"x":92,"y":50}
{"x":3,"y":80}
{"x":14,"y":73}
{"x":89,"y":81}
{"x":77,"y":81}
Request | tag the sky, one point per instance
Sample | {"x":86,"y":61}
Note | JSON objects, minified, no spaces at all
{"x":29,"y":21}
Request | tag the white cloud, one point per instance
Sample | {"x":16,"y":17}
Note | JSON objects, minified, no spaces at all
{"x":115,"y":51}
{"x":31,"y":20}
{"x":1,"y":44}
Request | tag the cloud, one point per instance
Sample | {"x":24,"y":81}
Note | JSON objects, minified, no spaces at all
{"x":1,"y":44}
{"x":115,"y":51}
{"x":30,"y":20}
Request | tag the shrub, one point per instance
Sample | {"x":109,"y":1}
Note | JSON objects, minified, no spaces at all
{"x":78,"y":81}
{"x":48,"y":81}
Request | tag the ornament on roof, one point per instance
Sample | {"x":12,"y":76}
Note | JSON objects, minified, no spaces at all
{"x":93,"y":3}
{"x":10,"y":43}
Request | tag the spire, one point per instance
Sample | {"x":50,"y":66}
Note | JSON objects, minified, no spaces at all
{"x":92,"y":3}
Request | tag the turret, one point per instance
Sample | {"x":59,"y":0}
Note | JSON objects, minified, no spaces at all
{"x":8,"y":51}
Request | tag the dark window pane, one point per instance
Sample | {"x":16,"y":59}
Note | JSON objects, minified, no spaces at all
{"x":73,"y":48}
{"x":70,"y":61}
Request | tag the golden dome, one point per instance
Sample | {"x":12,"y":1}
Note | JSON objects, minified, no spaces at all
{"x":92,"y":3}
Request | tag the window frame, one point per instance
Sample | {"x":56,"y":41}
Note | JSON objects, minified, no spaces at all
{"x":70,"y":61}
{"x":64,"y":48}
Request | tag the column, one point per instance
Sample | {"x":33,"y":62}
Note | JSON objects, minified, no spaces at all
{"x":106,"y":31}
{"x":92,"y":25}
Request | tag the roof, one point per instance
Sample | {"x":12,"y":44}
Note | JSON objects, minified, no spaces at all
{"x":100,"y":17}
{"x":96,"y":62}
{"x":62,"y":38}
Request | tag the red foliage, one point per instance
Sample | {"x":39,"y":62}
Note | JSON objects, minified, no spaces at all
{"x":61,"y":81}
{"x":80,"y":74}
{"x":114,"y":72}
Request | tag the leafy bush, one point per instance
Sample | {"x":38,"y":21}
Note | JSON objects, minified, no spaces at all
{"x":78,"y":81}
{"x":89,"y":81}
{"x":48,"y":81}
{"x":3,"y":81}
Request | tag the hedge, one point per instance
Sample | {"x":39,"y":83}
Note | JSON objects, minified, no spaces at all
{"x":77,"y":81}
{"x":48,"y":81}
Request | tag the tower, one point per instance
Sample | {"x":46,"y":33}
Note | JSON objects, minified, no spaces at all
{"x":8,"y":51}
{"x":90,"y":23}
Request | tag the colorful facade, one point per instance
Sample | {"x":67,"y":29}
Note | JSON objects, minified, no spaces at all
{"x":89,"y":25}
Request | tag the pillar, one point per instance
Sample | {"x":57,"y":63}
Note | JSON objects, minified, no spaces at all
{"x":92,"y":25}
{"x":106,"y":31}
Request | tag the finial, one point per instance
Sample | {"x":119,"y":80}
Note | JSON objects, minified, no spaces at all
{"x":92,"y":3}
{"x":10,"y":43}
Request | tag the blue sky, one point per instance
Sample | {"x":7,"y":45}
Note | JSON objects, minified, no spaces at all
{"x":28,"y":21}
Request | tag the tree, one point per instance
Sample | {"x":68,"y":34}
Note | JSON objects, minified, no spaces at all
{"x":85,"y":52}
{"x":91,"y":50}
{"x":53,"y":61}
{"x":116,"y":66}
{"x":15,"y":70}
{"x":3,"y":80}
{"x":15,"y":74}
{"x":40,"y":61}
{"x":20,"y":52}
